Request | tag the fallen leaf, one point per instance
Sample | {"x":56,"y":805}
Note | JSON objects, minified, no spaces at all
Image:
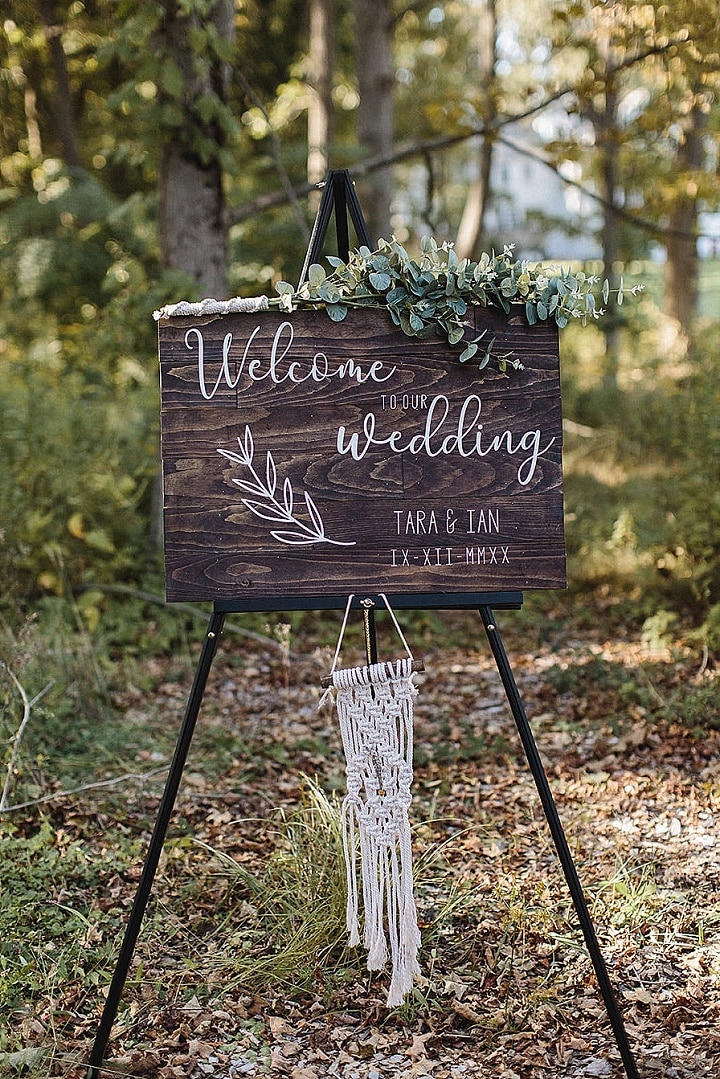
{"x":417,"y":1050}
{"x":466,"y":1012}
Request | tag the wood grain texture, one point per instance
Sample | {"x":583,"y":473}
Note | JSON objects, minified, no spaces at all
{"x":303,"y":457}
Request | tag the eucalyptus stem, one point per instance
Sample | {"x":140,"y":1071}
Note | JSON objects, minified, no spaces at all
{"x":432,"y":294}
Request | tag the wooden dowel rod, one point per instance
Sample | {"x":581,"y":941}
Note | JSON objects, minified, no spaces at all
{"x":417,"y":665}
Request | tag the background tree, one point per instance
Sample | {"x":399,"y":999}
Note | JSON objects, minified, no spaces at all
{"x":651,"y":72}
{"x":194,"y":47}
{"x":691,"y":82}
{"x":321,"y":72}
{"x":63,"y":105}
{"x":481,"y":66}
{"x":376,"y":108}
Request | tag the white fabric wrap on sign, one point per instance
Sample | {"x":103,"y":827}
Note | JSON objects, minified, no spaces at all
{"x":210,"y":306}
{"x":375,"y":709}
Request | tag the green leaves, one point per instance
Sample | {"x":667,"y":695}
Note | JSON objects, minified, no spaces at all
{"x":316,"y":276}
{"x":380,"y":281}
{"x":431,"y":295}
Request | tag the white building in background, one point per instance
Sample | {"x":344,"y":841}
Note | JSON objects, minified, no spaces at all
{"x":546,"y":215}
{"x":709,"y":229}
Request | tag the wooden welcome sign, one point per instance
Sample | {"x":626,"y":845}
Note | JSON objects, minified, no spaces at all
{"x":307,"y":459}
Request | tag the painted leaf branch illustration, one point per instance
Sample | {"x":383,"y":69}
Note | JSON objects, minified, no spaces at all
{"x":276,"y":503}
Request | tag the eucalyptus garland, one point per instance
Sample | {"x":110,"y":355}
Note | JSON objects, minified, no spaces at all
{"x":431,"y":295}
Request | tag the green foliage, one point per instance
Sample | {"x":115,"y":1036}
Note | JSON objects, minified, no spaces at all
{"x":431,"y":295}
{"x":76,"y":500}
{"x":694,"y":548}
{"x":78,"y":414}
{"x":49,"y":936}
{"x":80,"y":274}
{"x":648,"y":689}
{"x":71,"y":669}
{"x":709,"y":631}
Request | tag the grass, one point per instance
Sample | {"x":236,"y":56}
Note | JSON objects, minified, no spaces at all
{"x":51,"y":933}
{"x":289,"y":923}
{"x":284,"y":926}
{"x":225,"y":927}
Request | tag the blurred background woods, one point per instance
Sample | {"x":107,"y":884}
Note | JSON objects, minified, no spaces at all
{"x":152,"y":151}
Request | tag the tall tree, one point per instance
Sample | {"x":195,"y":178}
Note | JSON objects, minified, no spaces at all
{"x":652,"y":73}
{"x":376,"y":111}
{"x":606,"y":120}
{"x":682,"y":272}
{"x":470,"y":230}
{"x":63,"y":104}
{"x":691,"y":83}
{"x":196,"y":39}
{"x":321,"y":66}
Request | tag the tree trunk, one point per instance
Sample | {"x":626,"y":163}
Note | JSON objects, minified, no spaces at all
{"x":193,"y":228}
{"x":470,"y":230}
{"x":608,"y":138}
{"x":682,"y":270}
{"x":62,"y":106}
{"x":376,"y":125}
{"x":191,"y":200}
{"x":321,"y":63}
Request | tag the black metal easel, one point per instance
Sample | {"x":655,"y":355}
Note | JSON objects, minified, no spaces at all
{"x":339,"y":198}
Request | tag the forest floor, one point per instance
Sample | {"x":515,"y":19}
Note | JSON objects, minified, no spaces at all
{"x":508,"y":990}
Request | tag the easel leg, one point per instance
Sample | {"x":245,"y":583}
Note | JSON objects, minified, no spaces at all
{"x":561,"y":845}
{"x":156,"y":844}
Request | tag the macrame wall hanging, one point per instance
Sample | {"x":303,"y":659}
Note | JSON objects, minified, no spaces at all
{"x":375,"y":710}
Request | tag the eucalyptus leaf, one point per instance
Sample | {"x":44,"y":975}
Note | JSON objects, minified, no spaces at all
{"x":468,"y":353}
{"x":316,"y":275}
{"x":329,"y":293}
{"x":405,"y":324}
{"x":380,"y":281}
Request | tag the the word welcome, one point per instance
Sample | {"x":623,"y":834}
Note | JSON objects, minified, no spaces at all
{"x":276,"y":367}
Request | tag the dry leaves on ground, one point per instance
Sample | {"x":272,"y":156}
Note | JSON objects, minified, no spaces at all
{"x":508,"y":990}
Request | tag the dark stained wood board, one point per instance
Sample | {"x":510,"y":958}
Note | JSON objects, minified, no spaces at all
{"x":304,"y":458}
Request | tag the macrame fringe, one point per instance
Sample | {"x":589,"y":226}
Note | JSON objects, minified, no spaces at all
{"x":375,"y":709}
